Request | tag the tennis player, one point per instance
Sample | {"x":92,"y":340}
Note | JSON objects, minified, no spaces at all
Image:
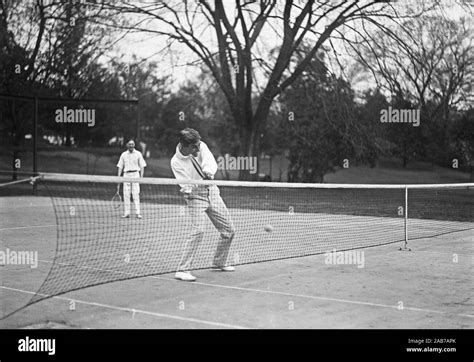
{"x":194,"y":161}
{"x":133,"y":165}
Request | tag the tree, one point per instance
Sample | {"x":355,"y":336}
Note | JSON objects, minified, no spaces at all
{"x":47,"y":49}
{"x":15,"y":68}
{"x":227,"y":38}
{"x":427,"y":64}
{"x":408,"y":142}
{"x":142,"y":83}
{"x":463,"y":134}
{"x":184,"y":108}
{"x":373,"y":102}
{"x":199,"y":104}
{"x":323,"y":127}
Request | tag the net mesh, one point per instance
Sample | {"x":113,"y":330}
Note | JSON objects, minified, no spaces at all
{"x":96,"y":245}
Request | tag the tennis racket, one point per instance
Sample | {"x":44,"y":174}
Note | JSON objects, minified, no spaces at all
{"x":117,"y":199}
{"x":198,"y":169}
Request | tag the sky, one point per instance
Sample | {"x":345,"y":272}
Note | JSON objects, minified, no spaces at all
{"x":152,"y":47}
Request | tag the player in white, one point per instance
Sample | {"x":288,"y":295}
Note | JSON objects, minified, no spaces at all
{"x":194,"y":161}
{"x":133,"y":165}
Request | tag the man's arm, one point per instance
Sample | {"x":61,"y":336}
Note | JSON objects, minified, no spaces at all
{"x":209,"y":164}
{"x":142,"y":164}
{"x":180,"y":174}
{"x":120,"y":169}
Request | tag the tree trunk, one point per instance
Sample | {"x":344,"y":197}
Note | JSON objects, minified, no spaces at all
{"x":251,"y":129}
{"x":250,"y":146}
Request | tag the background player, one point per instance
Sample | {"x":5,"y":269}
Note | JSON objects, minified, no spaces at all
{"x":133,"y":165}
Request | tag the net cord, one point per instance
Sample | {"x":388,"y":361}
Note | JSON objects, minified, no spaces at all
{"x":172,"y":181}
{"x":31,"y":180}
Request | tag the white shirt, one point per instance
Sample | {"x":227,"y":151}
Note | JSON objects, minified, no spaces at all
{"x":183,"y":168}
{"x":131,"y":161}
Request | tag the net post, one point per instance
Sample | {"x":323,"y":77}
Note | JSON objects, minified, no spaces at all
{"x":405,"y":247}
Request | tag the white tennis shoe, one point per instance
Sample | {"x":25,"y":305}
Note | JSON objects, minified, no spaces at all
{"x":225,"y":268}
{"x":185,"y":276}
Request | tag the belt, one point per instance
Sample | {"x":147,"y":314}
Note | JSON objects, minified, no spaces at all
{"x":131,"y":171}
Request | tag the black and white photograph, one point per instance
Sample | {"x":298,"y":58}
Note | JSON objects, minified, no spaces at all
{"x":208,"y":166}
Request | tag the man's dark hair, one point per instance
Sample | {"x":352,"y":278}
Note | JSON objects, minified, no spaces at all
{"x":188,"y":136}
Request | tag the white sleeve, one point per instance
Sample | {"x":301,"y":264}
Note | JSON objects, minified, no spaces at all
{"x":209,"y":163}
{"x":180,"y":174}
{"x":141,"y":161}
{"x":120,"y":163}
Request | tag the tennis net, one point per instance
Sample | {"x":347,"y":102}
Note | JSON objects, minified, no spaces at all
{"x":95,"y":245}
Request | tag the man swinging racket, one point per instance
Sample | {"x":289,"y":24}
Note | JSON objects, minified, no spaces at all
{"x":132,"y":164}
{"x":194,"y":161}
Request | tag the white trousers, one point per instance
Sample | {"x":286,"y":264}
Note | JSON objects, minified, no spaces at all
{"x":133,"y":189}
{"x":213,"y":206}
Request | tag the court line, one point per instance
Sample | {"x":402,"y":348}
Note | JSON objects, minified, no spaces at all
{"x":92,"y":223}
{"x":23,"y":206}
{"x":27,"y":227}
{"x":321,"y":298}
{"x":305,"y":296}
{"x":132,"y":310}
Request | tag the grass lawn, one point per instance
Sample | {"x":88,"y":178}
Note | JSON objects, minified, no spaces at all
{"x":387,"y":172}
{"x":386,"y":175}
{"x":77,"y":161}
{"x":104,"y":163}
